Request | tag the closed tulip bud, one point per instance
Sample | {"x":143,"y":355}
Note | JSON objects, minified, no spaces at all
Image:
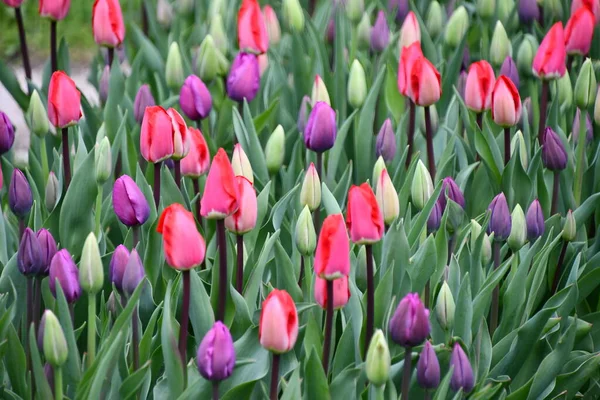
{"x":579,"y":32}
{"x":408,"y":57}
{"x":107,"y":23}
{"x":399,"y":8}
{"x":445,"y":307}
{"x":597,"y":108}
{"x":243,"y":81}
{"x":164,"y":13}
{"x":357,"y":85}
{"x":183,"y":245}
{"x":243,"y":220}
{"x":386,"y":142}
{"x":363,"y":218}
{"x":500,"y":220}
{"x":129,"y":203}
{"x":529,"y":11}
{"x":506,"y":103}
{"x":52,"y":192}
{"x":330,"y":31}
{"x":435,"y":218}
{"x":278,"y":323}
{"x":549,"y":61}
{"x":241,"y":164}
{"x":134,"y":273}
{"x":197,"y":162}
{"x":220,"y":194}
{"x":563,"y":91}
{"x":321,"y":129}
{"x":117,"y":266}
{"x":303,"y":114}
{"x":216,"y":354}
{"x":158,"y":135}
{"x":377,"y":169}
{"x":364,"y":32}
{"x":275,"y":150}
{"x":310,"y":193}
{"x":410,"y":32}
{"x":409,"y":326}
{"x":425,"y":86}
{"x":47,"y":248}
{"x":592,"y":5}
{"x":252,"y":30}
{"x":461,"y":84}
{"x":451,"y":191}
{"x":195,"y":99}
{"x":341,"y":292}
{"x":55,"y":10}
{"x":554,"y":155}
{"x":535,"y":221}
{"x":91,"y":271}
{"x":509,"y":69}
{"x":526,"y":53}
{"x":387,"y":198}
{"x":433,"y":118}
{"x":56,"y":350}
{"x":457,"y":27}
{"x":500,"y":47}
{"x":174,"y":68}
{"x":518,"y":141}
{"x":209,"y":61}
{"x":306,"y":237}
{"x":7,"y":133}
{"x":554,"y":9}
{"x":380,"y":34}
{"x":462,"y":374}
{"x":422,"y":186}
{"x":218,"y":33}
{"x":20,"y":199}
{"x":428,"y":368}
{"x":569,"y":228}
{"x":332,"y":259}
{"x":434,"y":20}
{"x":319,"y":92}
{"x":589,"y":129}
{"x":293,"y":15}
{"x":486,"y":249}
{"x":479,"y":86}
{"x":505,"y":14}
{"x":29,"y":256}
{"x":143,"y":99}
{"x":518,"y":232}
{"x":103,"y":161}
{"x":272,"y":23}
{"x":64,"y":272}
{"x":37,"y":118}
{"x":354,"y":9}
{"x":378,"y":362}
{"x":585,"y":86}
{"x":64,"y":101}
{"x":486,"y":8}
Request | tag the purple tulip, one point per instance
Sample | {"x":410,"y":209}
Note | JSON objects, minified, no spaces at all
{"x":535,"y":221}
{"x":7,"y":133}
{"x":528,"y":11}
{"x":48,"y":248}
{"x":104,"y":84}
{"x":29,"y":256}
{"x":64,"y":270}
{"x":321,"y":130}
{"x":589,"y":129}
{"x":49,"y":373}
{"x":195,"y":99}
{"x":500,"y":222}
{"x":461,"y":84}
{"x":435,"y":218}
{"x":216,"y":354}
{"x":117,"y":266}
{"x":303,"y":114}
{"x":20,"y":198}
{"x":386,"y":141}
{"x":330,"y":32}
{"x":410,"y":324}
{"x":380,"y":33}
{"x":428,"y":368}
{"x":450,"y":190}
{"x":143,"y":99}
{"x":509,"y":68}
{"x":400,"y":7}
{"x":466,"y":61}
{"x":129,"y":202}
{"x":134,"y":273}
{"x":554,"y":155}
{"x":243,"y":81}
{"x":462,"y":375}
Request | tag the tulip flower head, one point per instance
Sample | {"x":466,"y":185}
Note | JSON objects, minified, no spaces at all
{"x":500,"y":221}
{"x":197,"y":162}
{"x":143,"y":99}
{"x":7,"y":133}
{"x":428,"y":368}
{"x":220,"y":198}
{"x":48,"y":249}
{"x":216,"y":354}
{"x":64,"y":271}
{"x":409,"y":326}
{"x":310,"y":193}
{"x":272,"y":24}
{"x":535,"y":221}
{"x":278,"y":324}
{"x":20,"y":198}
{"x":400,"y":9}
{"x":341,"y":292}
{"x":450,"y":190}
{"x":321,"y":129}
{"x":589,"y":129}
{"x":378,"y":361}
{"x":435,"y":218}
{"x":13,"y":3}
{"x":364,"y":219}
{"x":64,"y":100}
{"x":579,"y":32}
{"x":506,"y":102}
{"x":407,"y":58}
{"x":243,"y":220}
{"x":195,"y":99}
{"x":479,"y":86}
{"x":241,"y":164}
{"x":107,"y":23}
{"x":183,"y":245}
{"x":163,"y":135}
{"x":509,"y":69}
{"x":252,"y":30}
{"x":305,"y":237}
{"x":29,"y":256}
{"x":332,"y":259}
{"x":592,"y":5}
{"x":303,"y":114}
{"x":55,"y":344}
{"x":425,"y":83}
{"x":134,"y":273}
{"x":550,"y":59}
{"x":387,"y":198}
{"x":54,"y":9}
{"x":410,"y":32}
{"x":462,"y":375}
{"x":380,"y":33}
{"x":117,"y":266}
{"x":386,"y":141}
{"x":554,"y":155}
{"x":243,"y":80}
{"x":529,"y":11}
{"x":319,"y":92}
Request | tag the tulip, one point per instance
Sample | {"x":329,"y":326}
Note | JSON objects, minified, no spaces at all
{"x":554,"y":155}
{"x":54,"y":9}
{"x":220,"y":195}
{"x":303,"y":114}
{"x":518,"y":141}
{"x":445,"y":307}
{"x":364,"y":32}
{"x":243,"y":220}
{"x":102,"y":161}
{"x":272,"y":24}
{"x":528,"y":11}
{"x":434,"y":20}
{"x":451,"y":191}
{"x":117,"y":266}
{"x":579,"y":32}
{"x":330,"y":31}
{"x":319,"y":92}
{"x":7,"y":133}
{"x":47,"y":248}
{"x":386,"y":142}
{"x":174,"y":68}
{"x":104,"y":84}
{"x":52,"y":192}
{"x":500,"y":221}
{"x":55,"y":344}
{"x":129,"y":203}
{"x":509,"y":69}
{"x":506,"y":103}
{"x":428,"y":368}
{"x":64,"y":100}
{"x":64,"y":271}
{"x":549,"y":61}
{"x":107,"y":23}
{"x":526,"y":53}
{"x":585,"y":86}
{"x":500,"y":47}
{"x":341,"y":292}
{"x":387,"y":198}
{"x":252,"y":30}
{"x":157,"y":135}
{"x":310,"y":193}
{"x":457,"y":27}
{"x":29,"y":256}
{"x":243,"y":81}
{"x":332,"y":259}
{"x":569,"y":228}
{"x":210,"y":62}
{"x":535,"y":221}
{"x":321,"y":129}
{"x":407,"y":59}
{"x":589,"y":129}
{"x":20,"y":199}
{"x":164,"y":13}
{"x":183,"y":245}
{"x":487,"y":248}
{"x":518,"y":232}
{"x":377,"y":170}
{"x":134,"y":273}
{"x":218,"y":33}
{"x":421,"y":187}
{"x":241,"y":164}
{"x":592,"y":5}
{"x":409,"y":325}
{"x":486,"y":8}
{"x":197,"y":162}
{"x":380,"y":33}
{"x":378,"y":362}
{"x":364,"y":218}
{"x":305,"y":237}
{"x":216,"y":354}
{"x":278,"y":324}
{"x":143,"y":99}
{"x":195,"y":99}
{"x":275,"y":150}
{"x":425,"y":82}
{"x":462,"y":374}
{"x":13,"y":3}
{"x":435,"y":218}
{"x":293,"y":15}
{"x":479,"y":86}
{"x":563,"y":91}
{"x":91,"y":271}
{"x":37,"y":118}
{"x":357,"y":85}
{"x":399,"y":8}
{"x":410,"y":32}
{"x":354,"y":9}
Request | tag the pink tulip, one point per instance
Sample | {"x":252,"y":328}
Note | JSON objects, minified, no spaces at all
{"x":579,"y":32}
{"x":220,"y":198}
{"x":197,"y":162}
{"x":407,"y":58}
{"x":425,"y":84}
{"x":64,"y":101}
{"x":244,"y":219}
{"x":341,"y":292}
{"x":592,"y":5}
{"x":183,"y":245}
{"x":506,"y":102}
{"x":156,"y":138}
{"x":332,"y":259}
{"x":13,"y":3}
{"x":252,"y":30}
{"x":180,"y":138}
{"x":410,"y":31}
{"x":107,"y":23}
{"x":278,"y":324}
{"x":479,"y":86}
{"x":549,"y":61}
{"x":363,"y":218}
{"x":54,"y":9}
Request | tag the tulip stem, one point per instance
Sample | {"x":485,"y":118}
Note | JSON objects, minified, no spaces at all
{"x":496,"y":292}
{"x":157,"y":184}
{"x":506,"y":145}
{"x":37,"y":302}
{"x":185,"y":316}
{"x":29,"y":316}
{"x":301,"y":276}
{"x":317,"y":212}
{"x":429,"y":137}
{"x":91,"y":332}
{"x":239,"y":281}
{"x":58,"y":383}
{"x":543,"y":111}
{"x":177,"y":169}
{"x":44,"y":155}
{"x":98,"y":211}
{"x":135,"y":230}
{"x":23,"y":41}
{"x":370,"y":297}
{"x":427,"y":395}
{"x":134,"y":338}
{"x":557,"y":272}
{"x":111,"y":56}
{"x":555,"y":189}
{"x":21,"y":228}
{"x":53,"y":55}
{"x":451,"y":244}
{"x":222,"y":244}
{"x":274,"y":377}
{"x":328,"y":326}
{"x":578,"y":186}
{"x":66,"y":157}
{"x":479,"y":120}
{"x":406,"y":370}
{"x":215,"y":390}
{"x":144,"y":18}
{"x":411,"y":131}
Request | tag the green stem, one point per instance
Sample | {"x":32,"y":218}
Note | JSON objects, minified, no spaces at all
{"x":535,"y":105}
{"x":496,"y":293}
{"x":98,"y":211}
{"x":406,"y":372}
{"x":45,"y":167}
{"x":58,"y":384}
{"x":91,"y":332}
{"x":378,"y":392}
{"x":578,"y":187}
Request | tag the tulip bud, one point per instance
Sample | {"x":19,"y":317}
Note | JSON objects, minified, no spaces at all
{"x":47,"y":249}
{"x":243,"y":220}
{"x":275,"y":150}
{"x":434,"y":21}
{"x":272,"y":23}
{"x":428,"y":368}
{"x":117,"y":266}
{"x":569,"y":228}
{"x":91,"y":271}
{"x":303,"y":114}
{"x":7,"y":133}
{"x":64,"y":271}
{"x":143,"y":99}
{"x":164,"y":13}
{"x":386,"y":141}
{"x":486,"y":249}
{"x":332,"y":258}
{"x":364,"y":32}
{"x":29,"y":256}
{"x":526,"y":52}
{"x":554,"y":155}
{"x":589,"y":129}
{"x":445,"y":307}
{"x":134,"y":273}
{"x":103,"y":161}
{"x":20,"y":199}
{"x":387,"y":198}
{"x":597,"y":108}
{"x":218,"y":33}
{"x":457,"y":26}
{"x":330,"y":31}
{"x":341,"y":292}
{"x":55,"y":344}
{"x":500,"y":220}
{"x":174,"y":68}
{"x":435,"y":218}
{"x":433,"y":117}
{"x":278,"y":323}
{"x":451,"y":191}
{"x":195,"y":99}
{"x":293,"y":15}
{"x":505,"y":13}
{"x":37,"y":118}
{"x":486,"y":8}
{"x":506,"y":103}
{"x":216,"y":354}
{"x":377,"y":169}
{"x":565,"y":91}
{"x":462,"y":374}
{"x":554,"y":9}
{"x":210,"y":62}
{"x":399,"y":8}
{"x":549,"y":62}
{"x":357,"y":85}
{"x":241,"y":164}
{"x":518,"y":232}
{"x":422,"y":186}
{"x":321,"y":129}
{"x":579,"y":32}
{"x":410,"y":32}
{"x":519,"y":141}
{"x":103,"y":84}
{"x":585,"y":85}
{"x":500,"y":47}
{"x":535,"y":221}
{"x":461,"y":85}
{"x":380,"y":34}
{"x":354,"y":9}
{"x":310,"y":194}
{"x":243,"y":80}
{"x":306,"y":237}
{"x":509,"y":69}
{"x":528,"y":11}
{"x":319,"y":92}
{"x":409,"y":326}
{"x":378,"y":362}
{"x":52,"y":192}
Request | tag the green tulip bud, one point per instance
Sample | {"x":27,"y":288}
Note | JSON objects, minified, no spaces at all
{"x":433,"y":115}
{"x":377,"y":168}
{"x":217,"y":31}
{"x":174,"y":68}
{"x":37,"y":118}
{"x":486,"y":248}
{"x":355,"y":9}
{"x":56,"y":350}
{"x":486,"y":8}
{"x":310,"y":194}
{"x":569,"y":228}
{"x":378,"y":361}
{"x":216,"y":7}
{"x":445,"y":307}
{"x":293,"y":15}
{"x":91,"y":271}
{"x":319,"y":92}
{"x":364,"y":32}
{"x":422,"y":186}
{"x":434,"y":21}
{"x":52,"y":192}
{"x":519,"y":141}
{"x":525,"y":55}
{"x":565,"y":91}
{"x":553,"y":8}
{"x":103,"y":161}
{"x":306,"y":237}
{"x":164,"y":13}
{"x":387,"y":198}
{"x":505,"y":13}
{"x":457,"y":27}
{"x":208,"y":61}
{"x":518,"y":231}
{"x":585,"y":86}
{"x":456,"y":215}
{"x":357,"y":85}
{"x":275,"y":150}
{"x":500,"y":47}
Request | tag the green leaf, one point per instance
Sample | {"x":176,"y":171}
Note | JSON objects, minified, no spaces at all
{"x":442,"y":390}
{"x":484,"y":296}
{"x":420,"y":223}
{"x":10,"y":82}
{"x":279,"y":209}
{"x":260,"y":121}
{"x":41,"y":384}
{"x":292,"y":390}
{"x":423,"y":264}
{"x":334,"y":155}
{"x":254,"y":150}
{"x":315,"y":381}
{"x":343,"y":387}
{"x":106,"y":363}
{"x":15,"y":360}
{"x":464,"y":312}
{"x":285,"y":273}
{"x":170,"y":351}
{"x":72,"y":368}
{"x":254,"y":281}
{"x":146,"y":342}
{"x":329,"y":202}
{"x":132,"y":384}
{"x":202,"y":315}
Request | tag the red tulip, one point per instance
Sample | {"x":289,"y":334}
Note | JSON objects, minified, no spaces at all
{"x":244,"y":219}
{"x":278,"y":324}
{"x":363,"y":218}
{"x":220,"y":197}
{"x":425,"y":84}
{"x":479,"y":86}
{"x":332,"y":259}
{"x":407,"y":58}
{"x":183,"y":245}
{"x":13,"y":3}
{"x":252,"y":30}
{"x":592,"y":5}
{"x":579,"y":32}
{"x":506,"y":102}
{"x":163,"y":135}
{"x":64,"y":101}
{"x":549,"y":61}
{"x":54,"y":9}
{"x":341,"y":292}
{"x":107,"y":23}
{"x":181,"y":140}
{"x":197,"y":162}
